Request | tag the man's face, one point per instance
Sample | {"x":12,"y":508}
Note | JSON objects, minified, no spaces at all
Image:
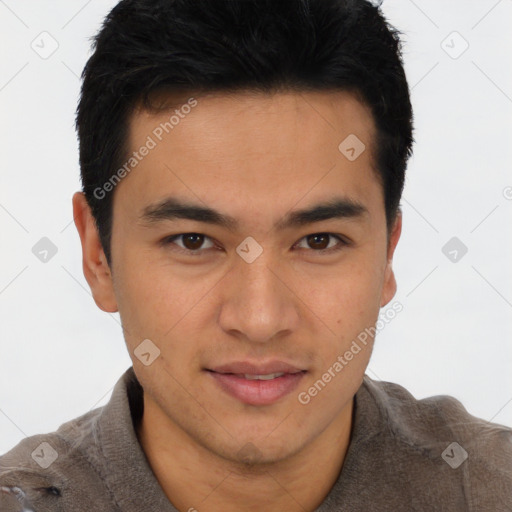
{"x":225,"y":313}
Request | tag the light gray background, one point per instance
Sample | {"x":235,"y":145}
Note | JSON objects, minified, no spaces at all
{"x":60,"y":355}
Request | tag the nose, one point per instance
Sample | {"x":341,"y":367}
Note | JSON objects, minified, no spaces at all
{"x":257,"y":305}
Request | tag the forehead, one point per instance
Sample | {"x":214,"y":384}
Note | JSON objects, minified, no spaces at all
{"x":319,"y":116}
{"x":252,"y":149}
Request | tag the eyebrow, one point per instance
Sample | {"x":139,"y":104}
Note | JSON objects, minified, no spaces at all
{"x":172,"y":208}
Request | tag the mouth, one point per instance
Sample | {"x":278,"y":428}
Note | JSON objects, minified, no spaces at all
{"x":257,"y":384}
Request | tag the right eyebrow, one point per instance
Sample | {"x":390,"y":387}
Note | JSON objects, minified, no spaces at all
{"x":172,"y":208}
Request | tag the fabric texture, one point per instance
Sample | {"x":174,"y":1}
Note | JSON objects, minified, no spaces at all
{"x":402,"y":456}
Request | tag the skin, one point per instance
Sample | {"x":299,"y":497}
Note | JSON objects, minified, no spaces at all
{"x":254,"y":157}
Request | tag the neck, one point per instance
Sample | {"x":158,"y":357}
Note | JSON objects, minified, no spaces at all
{"x":195,"y":479}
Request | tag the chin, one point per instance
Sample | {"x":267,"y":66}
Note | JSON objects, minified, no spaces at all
{"x":261,"y":453}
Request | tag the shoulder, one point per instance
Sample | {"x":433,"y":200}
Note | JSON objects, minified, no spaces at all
{"x":437,"y":419}
{"x":42,"y":471}
{"x":440,"y":430}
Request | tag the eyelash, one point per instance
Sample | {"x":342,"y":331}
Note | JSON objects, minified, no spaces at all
{"x":198,"y":252}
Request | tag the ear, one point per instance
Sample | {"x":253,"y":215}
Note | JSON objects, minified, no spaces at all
{"x":389,"y":285}
{"x":96,"y":269}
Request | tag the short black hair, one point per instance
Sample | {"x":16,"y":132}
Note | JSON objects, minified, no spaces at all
{"x":208,"y":46}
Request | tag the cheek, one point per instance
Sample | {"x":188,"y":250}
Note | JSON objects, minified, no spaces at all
{"x":158,"y":303}
{"x":346,"y":307}
{"x":349,"y":307}
{"x":147,"y":304}
{"x":344,"y":297}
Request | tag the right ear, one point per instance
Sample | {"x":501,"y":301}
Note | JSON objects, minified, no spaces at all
{"x":94,"y":262}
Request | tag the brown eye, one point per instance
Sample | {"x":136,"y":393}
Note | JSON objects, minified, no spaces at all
{"x":193,"y":241}
{"x":189,"y":242}
{"x":318,"y":241}
{"x":322,"y":242}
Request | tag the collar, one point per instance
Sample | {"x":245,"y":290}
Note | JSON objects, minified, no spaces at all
{"x":129,"y":477}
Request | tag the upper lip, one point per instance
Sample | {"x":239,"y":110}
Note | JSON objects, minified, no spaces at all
{"x":253,"y":368}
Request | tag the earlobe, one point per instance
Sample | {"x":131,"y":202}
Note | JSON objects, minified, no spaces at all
{"x":95,"y":267}
{"x":389,"y":285}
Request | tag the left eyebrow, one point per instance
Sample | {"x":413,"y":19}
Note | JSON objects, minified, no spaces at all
{"x":337,"y":208}
{"x":173,"y":208}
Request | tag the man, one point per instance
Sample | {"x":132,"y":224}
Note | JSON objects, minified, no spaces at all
{"x":242,"y":165}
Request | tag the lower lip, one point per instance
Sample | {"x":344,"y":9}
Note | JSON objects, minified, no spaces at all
{"x":257,"y":392}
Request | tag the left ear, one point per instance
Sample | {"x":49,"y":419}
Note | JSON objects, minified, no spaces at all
{"x":389,"y":284}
